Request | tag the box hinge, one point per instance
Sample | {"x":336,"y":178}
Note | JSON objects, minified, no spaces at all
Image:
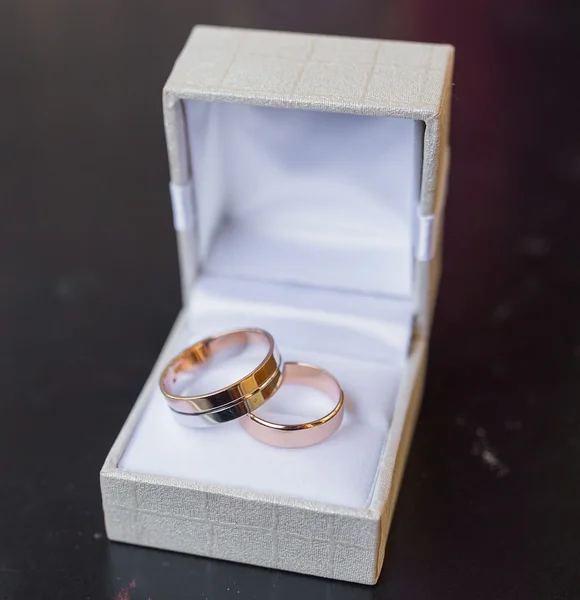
{"x":182,"y":203}
{"x":425,"y":237}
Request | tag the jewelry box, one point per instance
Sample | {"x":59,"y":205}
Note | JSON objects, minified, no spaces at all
{"x":308,"y":182}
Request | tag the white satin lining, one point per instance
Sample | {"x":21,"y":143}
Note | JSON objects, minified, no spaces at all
{"x":304,"y":227}
{"x":320,"y":199}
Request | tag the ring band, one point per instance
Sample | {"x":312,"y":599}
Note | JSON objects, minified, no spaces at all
{"x":303,"y":434}
{"x":232,"y":401}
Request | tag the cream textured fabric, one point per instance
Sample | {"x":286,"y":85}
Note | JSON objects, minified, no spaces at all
{"x":286,"y":70}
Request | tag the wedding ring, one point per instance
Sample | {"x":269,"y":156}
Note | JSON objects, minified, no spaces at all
{"x":303,"y":434}
{"x":232,"y":401}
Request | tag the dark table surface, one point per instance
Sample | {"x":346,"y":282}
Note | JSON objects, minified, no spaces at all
{"x":89,"y":289}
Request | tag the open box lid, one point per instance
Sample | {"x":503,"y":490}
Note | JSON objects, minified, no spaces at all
{"x":336,"y":148}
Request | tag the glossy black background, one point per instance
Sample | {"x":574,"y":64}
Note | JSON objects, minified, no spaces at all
{"x":489,"y":507}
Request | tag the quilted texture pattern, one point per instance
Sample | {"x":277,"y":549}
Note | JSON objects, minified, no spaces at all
{"x":264,"y":532}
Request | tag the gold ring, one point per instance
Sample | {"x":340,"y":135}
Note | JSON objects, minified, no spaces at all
{"x":303,"y":434}
{"x":232,"y":401}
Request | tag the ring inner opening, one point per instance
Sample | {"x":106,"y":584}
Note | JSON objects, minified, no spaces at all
{"x":308,"y":394}
{"x":230,"y":358}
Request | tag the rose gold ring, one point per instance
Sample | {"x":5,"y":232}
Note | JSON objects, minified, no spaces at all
{"x":232,"y":401}
{"x":302,"y":434}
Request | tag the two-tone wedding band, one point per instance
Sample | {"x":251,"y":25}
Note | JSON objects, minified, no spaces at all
{"x":228,"y":403}
{"x":302,"y":434}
